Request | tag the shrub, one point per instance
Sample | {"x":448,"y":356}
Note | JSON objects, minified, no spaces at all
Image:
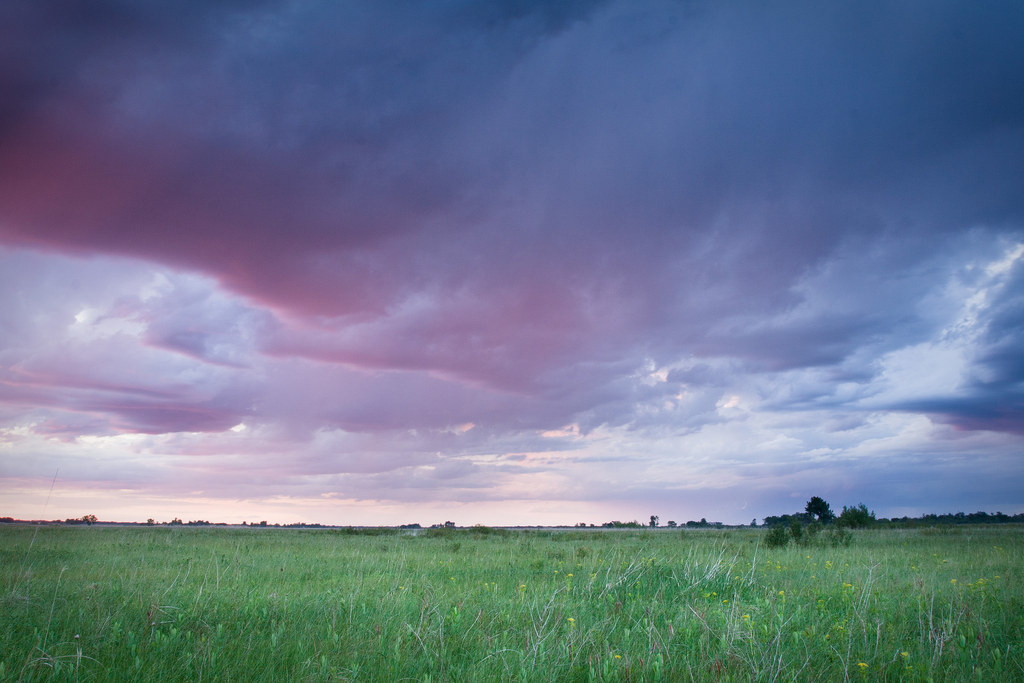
{"x":777,"y":537}
{"x":440,"y":532}
{"x":796,"y":530}
{"x":812,"y":530}
{"x":838,"y":536}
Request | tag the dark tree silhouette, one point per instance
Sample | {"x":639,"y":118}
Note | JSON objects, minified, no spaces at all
{"x":819,"y":509}
{"x":856,"y":517}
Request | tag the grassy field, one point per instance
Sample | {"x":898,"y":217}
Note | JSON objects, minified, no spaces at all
{"x":167,"y":604}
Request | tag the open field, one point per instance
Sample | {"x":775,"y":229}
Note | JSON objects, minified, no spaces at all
{"x":138,"y":603}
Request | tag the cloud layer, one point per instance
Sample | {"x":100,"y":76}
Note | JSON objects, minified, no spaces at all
{"x":372,"y":261}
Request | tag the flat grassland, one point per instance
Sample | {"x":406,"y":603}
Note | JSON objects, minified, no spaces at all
{"x":174,"y":603}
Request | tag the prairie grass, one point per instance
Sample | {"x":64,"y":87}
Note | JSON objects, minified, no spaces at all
{"x":170,"y":604}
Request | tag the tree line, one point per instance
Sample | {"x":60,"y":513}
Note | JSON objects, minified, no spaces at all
{"x":817,"y":511}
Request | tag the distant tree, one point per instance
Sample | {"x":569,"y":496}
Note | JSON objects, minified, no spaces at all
{"x":263,"y":523}
{"x":176,"y":521}
{"x":150,"y":522}
{"x":856,"y":517}
{"x":819,"y":509}
{"x":654,"y":520}
{"x":786,"y":520}
{"x":89,"y":519}
{"x":616,"y":524}
{"x":753,"y":523}
{"x":672,"y":524}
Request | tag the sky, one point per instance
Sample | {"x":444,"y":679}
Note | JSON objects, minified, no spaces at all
{"x":510,"y":262}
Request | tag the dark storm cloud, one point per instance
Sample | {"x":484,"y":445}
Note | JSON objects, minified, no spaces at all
{"x":237,"y":123}
{"x":992,"y":396}
{"x":268,"y":144}
{"x":1000,"y":358}
{"x":656,"y":176}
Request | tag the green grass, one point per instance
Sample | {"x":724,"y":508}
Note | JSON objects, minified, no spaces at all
{"x":136,"y":603}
